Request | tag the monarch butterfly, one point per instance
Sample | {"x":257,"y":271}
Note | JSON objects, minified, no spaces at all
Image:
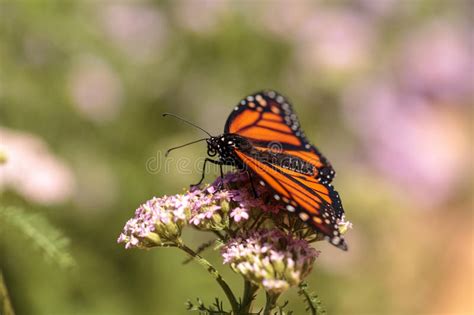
{"x":263,"y":136}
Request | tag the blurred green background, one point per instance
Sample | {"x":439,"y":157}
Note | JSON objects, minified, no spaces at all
{"x":383,"y":88}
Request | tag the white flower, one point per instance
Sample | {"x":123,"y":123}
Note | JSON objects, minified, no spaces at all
{"x":239,"y":213}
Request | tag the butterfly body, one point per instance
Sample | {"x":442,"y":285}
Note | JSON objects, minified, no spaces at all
{"x":263,"y":136}
{"x":225,"y":145}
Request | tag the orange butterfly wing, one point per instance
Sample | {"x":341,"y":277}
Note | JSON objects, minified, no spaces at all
{"x":315,"y":203}
{"x":269,"y":122}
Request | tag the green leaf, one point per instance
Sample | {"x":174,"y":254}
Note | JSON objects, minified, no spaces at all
{"x":216,"y":308}
{"x":314,"y":305}
{"x":40,"y":233}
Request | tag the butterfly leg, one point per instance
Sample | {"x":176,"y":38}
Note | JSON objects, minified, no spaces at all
{"x":251,"y":184}
{"x":222,"y":171}
{"x":221,"y":184}
{"x":204,"y":169}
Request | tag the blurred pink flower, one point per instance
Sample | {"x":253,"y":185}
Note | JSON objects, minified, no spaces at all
{"x":139,"y":29}
{"x":420,"y":146}
{"x":407,"y":121}
{"x":437,"y":61}
{"x":285,"y":20}
{"x":95,"y":89}
{"x":380,"y":8}
{"x":337,"y":39}
{"x":200,"y":16}
{"x":32,"y":170}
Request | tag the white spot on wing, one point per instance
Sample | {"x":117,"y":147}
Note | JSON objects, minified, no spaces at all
{"x":304,"y":216}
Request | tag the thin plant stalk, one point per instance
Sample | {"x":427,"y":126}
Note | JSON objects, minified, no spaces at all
{"x":215,"y":274}
{"x":271,"y":303}
{"x":5,"y":303}
{"x":248,"y":296}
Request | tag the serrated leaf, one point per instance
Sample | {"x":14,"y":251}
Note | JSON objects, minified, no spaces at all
{"x":35,"y":228}
{"x":314,"y":304}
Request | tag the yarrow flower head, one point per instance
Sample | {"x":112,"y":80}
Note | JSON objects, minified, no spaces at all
{"x":157,"y":222}
{"x":268,"y":247}
{"x":270,"y":258}
{"x":160,"y":221}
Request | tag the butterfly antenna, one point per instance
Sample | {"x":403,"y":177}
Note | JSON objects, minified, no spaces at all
{"x":186,"y":121}
{"x":183,"y":145}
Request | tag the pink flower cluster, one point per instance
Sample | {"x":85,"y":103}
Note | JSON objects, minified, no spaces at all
{"x":157,"y":221}
{"x":228,"y":200}
{"x":274,"y":258}
{"x":270,"y":258}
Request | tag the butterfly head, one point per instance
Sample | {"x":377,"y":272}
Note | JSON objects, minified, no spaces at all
{"x":225,"y":145}
{"x":221,"y":145}
{"x":213,"y":146}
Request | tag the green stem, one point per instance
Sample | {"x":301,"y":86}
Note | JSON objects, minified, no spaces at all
{"x":215,"y":274}
{"x":311,"y":307}
{"x":248,"y":297}
{"x":271,"y":302}
{"x":5,"y":304}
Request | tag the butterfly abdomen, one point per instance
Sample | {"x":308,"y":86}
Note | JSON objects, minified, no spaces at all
{"x":286,"y":161}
